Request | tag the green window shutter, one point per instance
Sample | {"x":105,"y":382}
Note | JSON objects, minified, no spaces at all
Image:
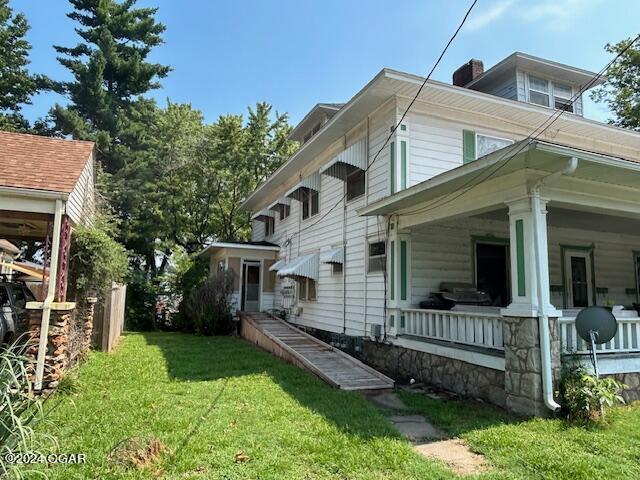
{"x":392,"y":290}
{"x":403,"y":270}
{"x":393,"y":167}
{"x":468,"y":146}
{"x":522,"y":288}
{"x":403,"y":164}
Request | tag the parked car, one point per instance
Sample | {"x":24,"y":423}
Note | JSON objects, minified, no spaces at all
{"x":13,"y":309}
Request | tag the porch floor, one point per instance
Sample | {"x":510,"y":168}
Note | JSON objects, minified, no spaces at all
{"x":332,"y":365}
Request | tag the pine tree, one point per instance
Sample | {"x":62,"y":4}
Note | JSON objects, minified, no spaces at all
{"x":111,"y":75}
{"x":17,"y":85}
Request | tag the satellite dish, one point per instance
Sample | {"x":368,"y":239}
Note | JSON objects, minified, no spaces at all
{"x":598,"y":320}
{"x":596,"y":325}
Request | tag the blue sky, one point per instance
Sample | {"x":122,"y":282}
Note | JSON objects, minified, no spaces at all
{"x":227,"y":55}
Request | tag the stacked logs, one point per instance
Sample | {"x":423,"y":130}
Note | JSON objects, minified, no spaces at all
{"x":56,"y":355}
{"x":64,"y":346}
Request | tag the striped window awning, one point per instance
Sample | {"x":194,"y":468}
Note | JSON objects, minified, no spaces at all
{"x":352,"y":158}
{"x":306,"y":266}
{"x":277,"y":205}
{"x":277,"y":266}
{"x":312,"y":182}
{"x":335,"y":255}
{"x":263,"y":214}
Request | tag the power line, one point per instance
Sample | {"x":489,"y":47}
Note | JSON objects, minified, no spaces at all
{"x":468,"y":186}
{"x":393,"y":130}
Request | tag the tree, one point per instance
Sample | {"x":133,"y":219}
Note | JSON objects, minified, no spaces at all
{"x":17,"y":85}
{"x":111,"y":75}
{"x":239,"y":158}
{"x":621,"y":90}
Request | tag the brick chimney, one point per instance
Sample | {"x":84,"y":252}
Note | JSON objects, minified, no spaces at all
{"x":468,"y":72}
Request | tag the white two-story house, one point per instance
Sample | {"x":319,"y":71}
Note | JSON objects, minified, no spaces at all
{"x":482,"y":183}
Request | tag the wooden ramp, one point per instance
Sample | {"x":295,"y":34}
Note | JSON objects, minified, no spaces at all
{"x":332,"y":365}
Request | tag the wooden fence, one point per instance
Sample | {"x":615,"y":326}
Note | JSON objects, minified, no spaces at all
{"x":109,"y":319}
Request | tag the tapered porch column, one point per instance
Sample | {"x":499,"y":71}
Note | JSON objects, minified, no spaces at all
{"x":532,"y":351}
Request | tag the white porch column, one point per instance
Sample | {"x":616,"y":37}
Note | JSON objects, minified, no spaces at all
{"x":399,"y":279}
{"x":528,"y":220}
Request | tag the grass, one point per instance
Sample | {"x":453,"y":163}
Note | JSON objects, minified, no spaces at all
{"x":541,"y":448}
{"x":209,"y":399}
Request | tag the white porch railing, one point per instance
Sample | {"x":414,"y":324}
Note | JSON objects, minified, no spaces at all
{"x":468,"y":328}
{"x":626,"y":340}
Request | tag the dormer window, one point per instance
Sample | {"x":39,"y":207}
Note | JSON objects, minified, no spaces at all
{"x":550,"y":94}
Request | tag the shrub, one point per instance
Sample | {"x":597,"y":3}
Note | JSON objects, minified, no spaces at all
{"x":20,"y":410}
{"x":586,"y":397}
{"x":207,"y":309}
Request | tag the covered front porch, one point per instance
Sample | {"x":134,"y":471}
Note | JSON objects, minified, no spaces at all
{"x":543,"y":232}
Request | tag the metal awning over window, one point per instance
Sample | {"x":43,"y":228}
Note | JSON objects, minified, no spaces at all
{"x":306,"y":266}
{"x":335,"y":256}
{"x":312,"y":182}
{"x":277,"y":205}
{"x":263,"y":214}
{"x":353,"y":157}
{"x":277,"y":266}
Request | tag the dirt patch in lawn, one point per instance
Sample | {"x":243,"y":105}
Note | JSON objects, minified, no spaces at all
{"x":137,"y":452}
{"x":456,"y":454}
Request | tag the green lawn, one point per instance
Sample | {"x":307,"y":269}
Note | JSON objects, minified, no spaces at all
{"x":208,"y":399}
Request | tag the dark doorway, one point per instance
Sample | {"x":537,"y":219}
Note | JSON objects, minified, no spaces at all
{"x":251,"y":287}
{"x":492,"y":272}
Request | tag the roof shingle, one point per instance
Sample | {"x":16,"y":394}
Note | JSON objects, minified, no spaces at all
{"x":41,"y":163}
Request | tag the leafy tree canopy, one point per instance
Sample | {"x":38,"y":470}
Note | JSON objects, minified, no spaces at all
{"x":621,"y":91}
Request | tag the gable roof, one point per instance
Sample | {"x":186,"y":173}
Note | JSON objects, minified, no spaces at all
{"x":42,"y":163}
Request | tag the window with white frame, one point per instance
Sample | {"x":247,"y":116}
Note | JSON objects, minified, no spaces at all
{"x":307,"y":289}
{"x":285,"y":211}
{"x":336,"y":268}
{"x":269,"y":226}
{"x":377,"y":257}
{"x":550,"y":94}
{"x":310,"y":203}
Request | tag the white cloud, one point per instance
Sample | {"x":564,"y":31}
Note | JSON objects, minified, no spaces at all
{"x":557,"y":14}
{"x":493,"y":13}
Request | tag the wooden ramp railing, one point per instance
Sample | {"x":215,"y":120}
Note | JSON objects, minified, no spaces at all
{"x":295,"y":346}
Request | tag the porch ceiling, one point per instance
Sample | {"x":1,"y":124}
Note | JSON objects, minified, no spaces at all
{"x":576,"y":219}
{"x":24,"y":225}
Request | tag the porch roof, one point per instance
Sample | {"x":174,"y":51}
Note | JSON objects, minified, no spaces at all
{"x":549,"y":158}
{"x":262,"y":245}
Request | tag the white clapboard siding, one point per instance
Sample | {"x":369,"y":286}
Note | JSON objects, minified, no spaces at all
{"x":443,"y":252}
{"x":81,"y":202}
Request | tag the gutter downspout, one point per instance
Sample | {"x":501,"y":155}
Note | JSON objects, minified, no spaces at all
{"x":51,"y":290}
{"x":543,"y":317}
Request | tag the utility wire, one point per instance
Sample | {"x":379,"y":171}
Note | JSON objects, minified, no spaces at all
{"x":397,"y":125}
{"x":468,"y":186}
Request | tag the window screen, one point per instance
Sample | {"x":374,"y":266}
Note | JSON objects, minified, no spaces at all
{"x":377,"y":257}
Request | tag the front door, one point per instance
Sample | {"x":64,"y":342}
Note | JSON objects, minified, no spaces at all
{"x":251,"y":287}
{"x":492,"y":272}
{"x":578,"y":272}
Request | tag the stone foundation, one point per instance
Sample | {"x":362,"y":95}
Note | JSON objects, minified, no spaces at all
{"x":523,"y":364}
{"x":632,"y":381}
{"x":463,"y":378}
